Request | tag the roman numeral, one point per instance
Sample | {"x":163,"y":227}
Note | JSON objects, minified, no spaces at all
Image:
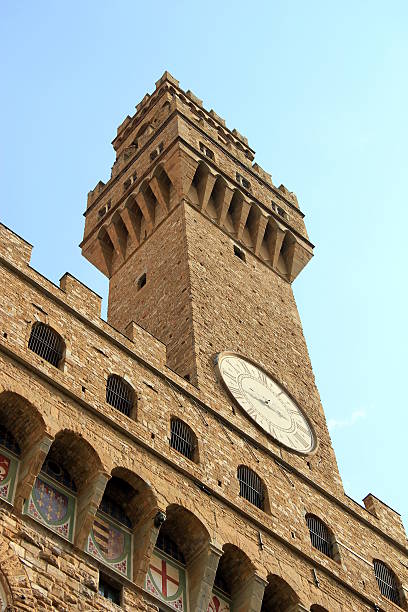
{"x":262,"y":378}
{"x":231,"y":365}
{"x":252,"y":413}
{"x":301,"y":440}
{"x":227,"y":374}
{"x":272,"y":430}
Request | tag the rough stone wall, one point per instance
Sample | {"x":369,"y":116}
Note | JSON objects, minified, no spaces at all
{"x":53,"y":574}
{"x":163,"y":305}
{"x":243,"y":307}
{"x":199,"y":299}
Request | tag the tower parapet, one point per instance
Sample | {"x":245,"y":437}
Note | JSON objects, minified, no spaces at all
{"x":172,"y":150}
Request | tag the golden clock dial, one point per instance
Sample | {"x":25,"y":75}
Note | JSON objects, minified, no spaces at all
{"x":266,"y":402}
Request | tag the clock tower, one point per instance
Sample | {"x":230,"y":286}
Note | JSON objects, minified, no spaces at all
{"x":176,"y":457}
{"x":201,"y":249}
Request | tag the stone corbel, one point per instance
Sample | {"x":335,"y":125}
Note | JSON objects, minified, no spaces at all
{"x":101,"y":255}
{"x":245,"y":207}
{"x":146,"y":211}
{"x":259,"y":230}
{"x":88,"y":502}
{"x":181,"y":170}
{"x":249,"y":597}
{"x":155,"y":187}
{"x":296,"y":257}
{"x":116,"y":240}
{"x":201,"y":574}
{"x":29,"y":468}
{"x":205,"y":188}
{"x":127,"y":217}
{"x":144,"y":541}
{"x":275,"y":241}
{"x":226,"y":201}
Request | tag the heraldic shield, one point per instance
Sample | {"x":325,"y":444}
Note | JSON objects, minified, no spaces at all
{"x":8,"y":472}
{"x":111,"y":543}
{"x":218,"y":603}
{"x":51,"y":504}
{"x":166,"y":580}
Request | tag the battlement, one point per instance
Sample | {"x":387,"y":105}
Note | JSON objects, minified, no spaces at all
{"x":173,"y":151}
{"x":389,"y":518}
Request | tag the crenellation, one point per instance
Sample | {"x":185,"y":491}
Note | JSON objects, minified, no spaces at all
{"x":194,"y":98}
{"x":14,"y":248}
{"x":147,"y":466}
{"x":80,"y":296}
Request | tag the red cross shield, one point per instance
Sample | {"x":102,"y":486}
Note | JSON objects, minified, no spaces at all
{"x":166,"y":577}
{"x":4,"y":467}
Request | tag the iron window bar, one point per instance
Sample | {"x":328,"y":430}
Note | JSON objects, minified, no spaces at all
{"x":387,"y":582}
{"x":119,"y":394}
{"x":250,"y":486}
{"x":168,"y":546}
{"x":46,"y":343}
{"x":320,"y":535}
{"x":7,"y":440}
{"x":112,"y":508}
{"x":182,"y":438}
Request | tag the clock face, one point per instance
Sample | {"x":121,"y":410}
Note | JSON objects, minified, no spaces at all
{"x":266,"y":402}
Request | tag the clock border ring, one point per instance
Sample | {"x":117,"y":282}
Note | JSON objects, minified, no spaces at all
{"x":217,"y":361}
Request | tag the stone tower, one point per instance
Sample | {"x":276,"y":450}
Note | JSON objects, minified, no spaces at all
{"x":176,"y":457}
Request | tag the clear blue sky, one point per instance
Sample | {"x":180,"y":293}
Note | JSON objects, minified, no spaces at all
{"x":320,"y":90}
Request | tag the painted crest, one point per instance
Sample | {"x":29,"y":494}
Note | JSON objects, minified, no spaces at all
{"x":4,"y":467}
{"x":8,"y":475}
{"x":52,"y":505}
{"x":166,"y":580}
{"x":218,"y":604}
{"x":111,"y":544}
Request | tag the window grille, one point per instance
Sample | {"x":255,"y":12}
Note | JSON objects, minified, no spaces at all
{"x":111,"y":507}
{"x":106,"y":589}
{"x":58,"y":473}
{"x":168,"y":546}
{"x":320,"y":536}
{"x":46,"y":343}
{"x":182,"y":438}
{"x":251,"y":487}
{"x":387,"y":582}
{"x":8,"y":441}
{"x":119,"y":394}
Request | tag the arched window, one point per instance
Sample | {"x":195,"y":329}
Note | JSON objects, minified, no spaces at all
{"x":182,"y":438}
{"x":46,"y":343}
{"x":119,"y":394}
{"x":52,"y":500}
{"x":387,"y":582}
{"x":320,"y":535}
{"x":7,"y":440}
{"x":251,"y":486}
{"x":110,"y":539}
{"x":168,"y":546}
{"x":58,"y":473}
{"x":64,"y":481}
{"x":180,"y":539}
{"x":233,"y":571}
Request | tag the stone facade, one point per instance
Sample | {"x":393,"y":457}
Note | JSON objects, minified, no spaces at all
{"x":201,"y":249}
